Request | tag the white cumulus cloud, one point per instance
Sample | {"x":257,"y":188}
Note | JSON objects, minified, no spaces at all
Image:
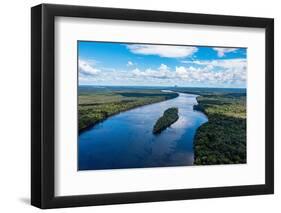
{"x":163,"y":67}
{"x":221,"y":72}
{"x":86,"y":69}
{"x":129,"y":63}
{"x":169,"y":51}
{"x":224,"y":63}
{"x":221,"y":51}
{"x":150,"y":74}
{"x":227,"y":71}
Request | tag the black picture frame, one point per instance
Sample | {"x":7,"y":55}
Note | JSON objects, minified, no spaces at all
{"x":43,"y":110}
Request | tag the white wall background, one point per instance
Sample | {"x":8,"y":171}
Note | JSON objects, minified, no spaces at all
{"x":15,"y":106}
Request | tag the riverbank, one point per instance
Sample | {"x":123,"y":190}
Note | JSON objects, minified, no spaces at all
{"x":222,"y":140}
{"x":96,"y":107}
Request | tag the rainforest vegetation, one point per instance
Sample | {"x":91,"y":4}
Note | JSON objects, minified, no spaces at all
{"x":169,"y":117}
{"x":222,"y":140}
{"x":96,"y":104}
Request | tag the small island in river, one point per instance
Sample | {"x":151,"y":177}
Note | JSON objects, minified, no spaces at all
{"x":169,"y":117}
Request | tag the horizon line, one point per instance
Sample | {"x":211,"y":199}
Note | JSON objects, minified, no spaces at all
{"x":161,"y":86}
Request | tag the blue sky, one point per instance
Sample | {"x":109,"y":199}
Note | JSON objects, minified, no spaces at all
{"x":105,"y":63}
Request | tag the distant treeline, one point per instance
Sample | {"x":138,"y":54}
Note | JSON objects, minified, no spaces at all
{"x":222,"y":140}
{"x":212,"y":91}
{"x":169,"y":117}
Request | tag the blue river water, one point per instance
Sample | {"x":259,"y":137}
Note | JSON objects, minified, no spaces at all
{"x":126,"y":139}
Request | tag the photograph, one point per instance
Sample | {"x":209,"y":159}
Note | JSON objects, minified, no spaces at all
{"x":141,"y":105}
{"x":146,"y":105}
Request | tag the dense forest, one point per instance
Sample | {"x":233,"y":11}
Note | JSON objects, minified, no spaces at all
{"x":97,"y":104}
{"x":169,"y":117}
{"x":222,"y":140}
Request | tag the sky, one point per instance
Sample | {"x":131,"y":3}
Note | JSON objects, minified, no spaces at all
{"x":123,"y":64}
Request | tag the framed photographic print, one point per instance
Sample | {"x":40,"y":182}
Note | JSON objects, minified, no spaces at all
{"x":139,"y":106}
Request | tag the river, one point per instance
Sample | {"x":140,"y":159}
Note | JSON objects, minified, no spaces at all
{"x":126,"y":140}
